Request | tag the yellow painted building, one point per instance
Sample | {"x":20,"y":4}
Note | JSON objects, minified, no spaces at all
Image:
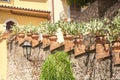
{"x":23,"y":12}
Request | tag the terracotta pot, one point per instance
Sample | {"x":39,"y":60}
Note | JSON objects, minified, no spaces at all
{"x":116,"y":47}
{"x":116,"y":58}
{"x":29,"y":37}
{"x":53,"y":43}
{"x":70,"y":37}
{"x":35,"y":36}
{"x":102,"y":51}
{"x":21,"y":35}
{"x":21,"y":38}
{"x":100,"y":39}
{"x":46,"y":35}
{"x":69,"y":43}
{"x":78,"y":41}
{"x":35,"y":40}
{"x":29,"y":34}
{"x":46,"y":40}
{"x":79,"y":47}
{"x":53,"y":38}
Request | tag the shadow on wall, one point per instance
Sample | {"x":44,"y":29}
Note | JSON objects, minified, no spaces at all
{"x":104,"y":5}
{"x":35,"y":0}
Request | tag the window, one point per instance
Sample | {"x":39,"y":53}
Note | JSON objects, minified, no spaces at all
{"x":9,"y":25}
{"x":5,"y":0}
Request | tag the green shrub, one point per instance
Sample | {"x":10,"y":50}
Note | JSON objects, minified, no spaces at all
{"x":57,"y":67}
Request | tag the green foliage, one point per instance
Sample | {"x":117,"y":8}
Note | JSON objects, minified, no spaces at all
{"x":114,"y":30}
{"x":79,"y":2}
{"x":48,"y":28}
{"x":57,"y":67}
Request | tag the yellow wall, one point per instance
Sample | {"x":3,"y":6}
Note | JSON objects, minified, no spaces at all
{"x":20,"y":19}
{"x":32,"y":4}
{"x":3,"y":60}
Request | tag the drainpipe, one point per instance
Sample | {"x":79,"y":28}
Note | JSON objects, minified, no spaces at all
{"x":52,"y":11}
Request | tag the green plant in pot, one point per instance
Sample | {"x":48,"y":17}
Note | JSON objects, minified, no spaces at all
{"x":67,"y":29}
{"x":57,"y":67}
{"x":35,"y":32}
{"x":15,"y":29}
{"x":114,"y":32}
{"x":49,"y":29}
{"x":28,"y":29}
{"x":21,"y":32}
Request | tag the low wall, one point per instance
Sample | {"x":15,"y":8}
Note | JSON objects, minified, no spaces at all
{"x":85,"y":66}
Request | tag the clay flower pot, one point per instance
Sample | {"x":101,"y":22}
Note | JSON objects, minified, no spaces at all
{"x":21,"y":35}
{"x":20,"y":38}
{"x":68,"y":37}
{"x":53,"y":42}
{"x":116,"y":52}
{"x":79,"y":47}
{"x":45,"y":40}
{"x":35,"y":40}
{"x":53,"y":38}
{"x":102,"y":48}
{"x":35,"y":36}
{"x":116,"y":47}
{"x":69,"y":43}
{"x":29,"y":37}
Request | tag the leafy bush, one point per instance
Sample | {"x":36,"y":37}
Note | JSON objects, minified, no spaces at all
{"x":57,"y":67}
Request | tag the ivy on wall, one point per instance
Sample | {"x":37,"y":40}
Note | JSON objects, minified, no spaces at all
{"x":80,"y":2}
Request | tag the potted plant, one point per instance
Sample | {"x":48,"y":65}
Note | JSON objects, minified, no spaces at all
{"x":79,"y":31}
{"x":99,"y":31}
{"x":19,"y":32}
{"x":67,"y":29}
{"x":48,"y":30}
{"x":28,"y":32}
{"x":35,"y":35}
{"x":114,"y":37}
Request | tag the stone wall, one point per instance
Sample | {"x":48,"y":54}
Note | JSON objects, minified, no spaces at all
{"x":19,"y":67}
{"x":85,"y":66}
{"x":96,"y":10}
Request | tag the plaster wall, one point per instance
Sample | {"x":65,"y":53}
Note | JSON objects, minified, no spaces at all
{"x":32,"y":4}
{"x":20,"y":19}
{"x":3,"y":60}
{"x":60,"y":10}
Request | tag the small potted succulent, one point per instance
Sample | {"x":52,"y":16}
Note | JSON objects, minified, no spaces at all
{"x":114,"y":37}
{"x":79,"y":31}
{"x":99,"y":31}
{"x":19,"y":32}
{"x":35,"y":35}
{"x":48,"y":30}
{"x":67,"y":29}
